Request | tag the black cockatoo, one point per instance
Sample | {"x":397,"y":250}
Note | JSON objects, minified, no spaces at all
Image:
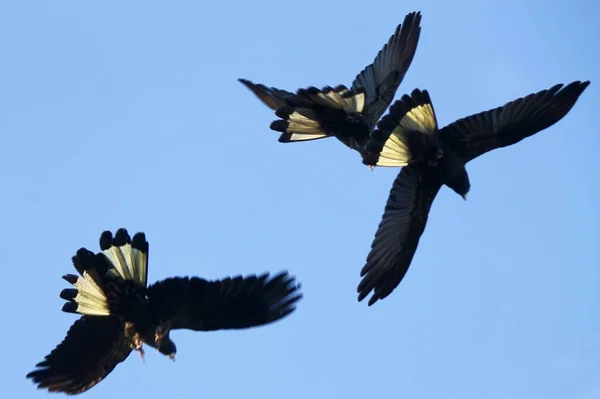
{"x":120,"y":312}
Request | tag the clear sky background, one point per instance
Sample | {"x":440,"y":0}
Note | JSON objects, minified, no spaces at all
{"x":130,"y":115}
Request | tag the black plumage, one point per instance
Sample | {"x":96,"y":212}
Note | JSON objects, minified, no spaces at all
{"x":120,"y":313}
{"x":408,"y":136}
{"x":349,"y":114}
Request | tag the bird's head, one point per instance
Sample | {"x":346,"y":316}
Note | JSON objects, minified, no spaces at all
{"x":167,"y":347}
{"x":454,"y":172}
{"x":459,"y":183}
{"x":461,"y":186}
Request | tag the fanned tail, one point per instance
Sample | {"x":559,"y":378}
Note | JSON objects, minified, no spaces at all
{"x":311,"y":115}
{"x":121,"y":259}
{"x":390,"y":143}
{"x":128,"y":257}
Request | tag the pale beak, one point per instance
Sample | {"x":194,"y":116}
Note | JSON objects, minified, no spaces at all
{"x":172,"y":356}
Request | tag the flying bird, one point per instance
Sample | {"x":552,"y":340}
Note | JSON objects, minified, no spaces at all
{"x":349,"y":114}
{"x":408,"y":136}
{"x":120,"y":312}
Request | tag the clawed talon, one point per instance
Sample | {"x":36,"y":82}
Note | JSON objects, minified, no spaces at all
{"x":140,"y":349}
{"x":158,"y":336}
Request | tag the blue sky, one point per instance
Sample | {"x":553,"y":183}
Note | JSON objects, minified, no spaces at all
{"x":130,"y":115}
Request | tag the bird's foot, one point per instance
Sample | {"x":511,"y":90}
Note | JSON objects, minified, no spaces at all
{"x":158,"y":336}
{"x":141,"y":352}
{"x":138,"y":347}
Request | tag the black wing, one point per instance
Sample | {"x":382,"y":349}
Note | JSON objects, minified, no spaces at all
{"x":477,"y":134}
{"x":230,"y":303}
{"x":91,"y":350}
{"x":398,"y":234}
{"x":274,"y":98}
{"x":382,"y":78}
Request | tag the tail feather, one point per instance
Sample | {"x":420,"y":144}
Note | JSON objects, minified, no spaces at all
{"x":87,"y":283}
{"x":112,"y":248}
{"x":301,"y":113}
{"x":130,"y":262}
{"x":410,"y":115}
{"x":300,"y":120}
{"x":298,"y":124}
{"x":88,"y":297}
{"x":84,"y":302}
{"x":85,"y":260}
{"x":140,"y":247}
{"x":121,"y":258}
{"x":305,"y":118}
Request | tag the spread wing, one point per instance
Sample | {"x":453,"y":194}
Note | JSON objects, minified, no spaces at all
{"x":274,"y":98}
{"x":477,"y":134}
{"x":93,"y":347}
{"x":231,"y":303}
{"x":398,"y":235}
{"x":382,"y":78}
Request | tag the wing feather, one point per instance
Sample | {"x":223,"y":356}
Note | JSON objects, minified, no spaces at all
{"x":272,"y":97}
{"x":382,"y":78}
{"x":477,"y":134}
{"x":231,"y":303}
{"x":91,"y":349}
{"x":398,"y":234}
